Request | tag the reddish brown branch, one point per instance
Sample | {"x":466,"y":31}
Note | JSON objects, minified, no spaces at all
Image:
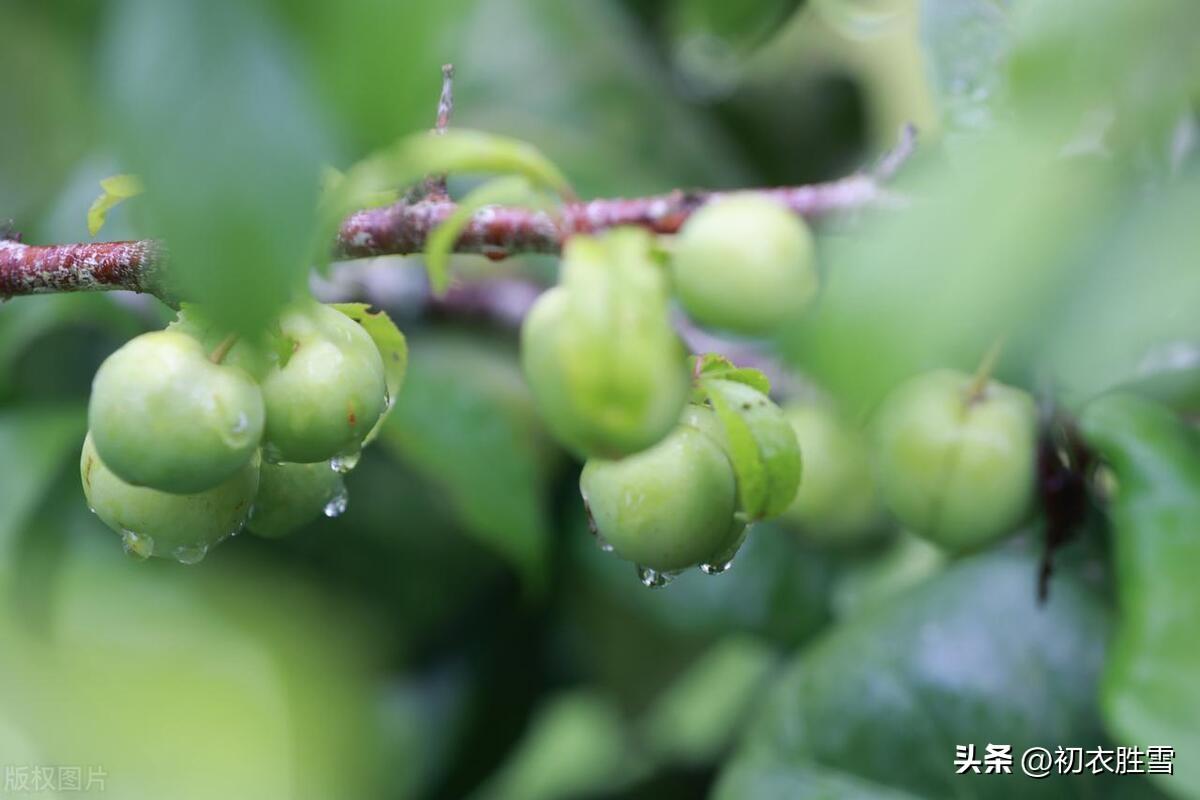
{"x":404,"y":227}
{"x":86,"y":267}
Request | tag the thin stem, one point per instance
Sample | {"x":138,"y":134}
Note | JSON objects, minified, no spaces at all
{"x":221,"y":350}
{"x":983,"y":373}
{"x":434,"y":186}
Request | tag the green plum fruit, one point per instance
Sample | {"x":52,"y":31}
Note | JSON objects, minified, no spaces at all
{"x":178,"y":526}
{"x":166,"y":417}
{"x":326,"y":392}
{"x":956,"y":462}
{"x":605,"y":367}
{"x":744,"y":263}
{"x":837,"y":502}
{"x":668,"y":507}
{"x":292,"y":495}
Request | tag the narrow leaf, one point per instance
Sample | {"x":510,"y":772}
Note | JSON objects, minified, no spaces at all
{"x":115,"y":189}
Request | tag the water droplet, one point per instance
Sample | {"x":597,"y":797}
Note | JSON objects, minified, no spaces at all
{"x":137,"y":545}
{"x":337,"y":504}
{"x":722,"y":561}
{"x":604,"y":544}
{"x":190,"y":553}
{"x":345,"y":462}
{"x":653,"y":579}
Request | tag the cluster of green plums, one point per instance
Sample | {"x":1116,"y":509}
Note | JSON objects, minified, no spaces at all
{"x":947,"y":455}
{"x":950,"y":457}
{"x":195,"y":433}
{"x":610,"y":378}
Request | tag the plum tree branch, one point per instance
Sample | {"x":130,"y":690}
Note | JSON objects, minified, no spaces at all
{"x":404,"y":227}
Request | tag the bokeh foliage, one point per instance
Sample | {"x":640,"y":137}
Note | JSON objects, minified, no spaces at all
{"x":457,"y":632}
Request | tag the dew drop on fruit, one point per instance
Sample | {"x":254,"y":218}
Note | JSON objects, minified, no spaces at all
{"x":654,"y":579}
{"x":137,"y":545}
{"x":190,"y":553}
{"x":345,"y":462}
{"x":336,"y":506}
{"x":604,"y":543}
{"x":716,"y":569}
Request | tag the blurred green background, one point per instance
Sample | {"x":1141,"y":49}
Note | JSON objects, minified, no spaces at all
{"x":457,"y":633}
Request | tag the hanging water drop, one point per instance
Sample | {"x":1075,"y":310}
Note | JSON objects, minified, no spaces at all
{"x":604,"y":544}
{"x":190,"y":553}
{"x":716,"y":568}
{"x":345,"y":462}
{"x":336,"y":505}
{"x":137,"y":545}
{"x":654,"y":579}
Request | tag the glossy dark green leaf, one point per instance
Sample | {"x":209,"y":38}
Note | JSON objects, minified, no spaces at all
{"x":211,"y":110}
{"x":1150,"y":693}
{"x":968,"y":657}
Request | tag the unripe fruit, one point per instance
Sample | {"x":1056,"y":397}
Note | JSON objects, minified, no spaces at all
{"x":179,"y":526}
{"x":606,"y":369}
{"x":955,"y":465}
{"x":744,"y":263}
{"x":837,"y":501}
{"x":778,"y":450}
{"x":669,"y":507}
{"x":164,"y":416}
{"x":327,"y":395}
{"x":292,"y":495}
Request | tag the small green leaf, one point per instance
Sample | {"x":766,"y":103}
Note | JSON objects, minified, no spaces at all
{"x":742,"y":449}
{"x":417,"y":155}
{"x":576,"y":746}
{"x":331,"y":181}
{"x":695,"y":718}
{"x":511,"y":190}
{"x":714,"y":365}
{"x":116,"y":189}
{"x":393,"y":348}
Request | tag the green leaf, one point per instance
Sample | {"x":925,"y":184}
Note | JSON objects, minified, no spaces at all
{"x":211,"y":110}
{"x":34,"y":445}
{"x":770,"y":779}
{"x":420,"y":154}
{"x":713,"y":365}
{"x":969,"y":657}
{"x":116,"y":189}
{"x":1150,"y":694}
{"x":742,"y":449}
{"x":761,"y":445}
{"x":512,"y":190}
{"x":331,"y":182}
{"x":697,"y":717}
{"x":576,"y":746}
{"x":393,"y":348}
{"x":466,"y":420}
